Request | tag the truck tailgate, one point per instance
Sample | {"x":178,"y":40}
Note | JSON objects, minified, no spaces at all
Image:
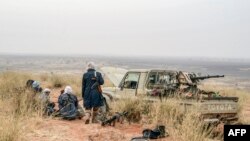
{"x":218,"y":106}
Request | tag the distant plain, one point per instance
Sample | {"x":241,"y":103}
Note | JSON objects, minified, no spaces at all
{"x":236,"y":71}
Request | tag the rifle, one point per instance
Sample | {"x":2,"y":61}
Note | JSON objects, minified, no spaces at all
{"x":96,"y":84}
{"x":114,"y":118}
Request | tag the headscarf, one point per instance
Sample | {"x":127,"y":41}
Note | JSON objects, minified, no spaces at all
{"x":46,"y":90}
{"x":44,"y":95}
{"x":35,"y":84}
{"x":91,"y":65}
{"x":68,"y":90}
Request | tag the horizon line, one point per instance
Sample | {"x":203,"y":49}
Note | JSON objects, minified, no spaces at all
{"x":118,"y":55}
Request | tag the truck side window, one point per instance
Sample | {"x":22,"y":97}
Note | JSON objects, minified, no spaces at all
{"x":131,"y":80}
{"x":158,"y":78}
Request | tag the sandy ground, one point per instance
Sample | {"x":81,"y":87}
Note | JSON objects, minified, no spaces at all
{"x":50,"y":129}
{"x":54,"y":130}
{"x":76,"y":130}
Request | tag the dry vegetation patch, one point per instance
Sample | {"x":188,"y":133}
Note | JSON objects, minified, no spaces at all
{"x":21,"y":115}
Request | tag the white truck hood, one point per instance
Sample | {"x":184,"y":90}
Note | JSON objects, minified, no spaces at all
{"x":114,"y":74}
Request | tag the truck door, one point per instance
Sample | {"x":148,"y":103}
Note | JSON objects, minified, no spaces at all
{"x":129,"y":84}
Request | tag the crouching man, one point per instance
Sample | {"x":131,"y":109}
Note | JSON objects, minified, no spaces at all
{"x":34,"y":86}
{"x":68,"y":105}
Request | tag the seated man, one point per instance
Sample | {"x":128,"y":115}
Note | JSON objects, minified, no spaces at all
{"x":34,"y":85}
{"x":68,"y":104}
{"x":45,"y":100}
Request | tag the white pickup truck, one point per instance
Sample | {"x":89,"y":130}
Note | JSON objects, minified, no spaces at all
{"x":154,"y":84}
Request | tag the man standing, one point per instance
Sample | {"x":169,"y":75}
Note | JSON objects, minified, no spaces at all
{"x":91,"y":92}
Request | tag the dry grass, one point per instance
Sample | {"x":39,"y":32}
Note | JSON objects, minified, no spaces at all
{"x":9,"y":128}
{"x":19,"y":107}
{"x":181,"y":127}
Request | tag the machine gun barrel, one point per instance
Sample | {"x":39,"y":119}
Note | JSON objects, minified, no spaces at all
{"x":206,"y":77}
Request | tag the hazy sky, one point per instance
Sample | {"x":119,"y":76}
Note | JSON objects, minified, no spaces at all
{"x":211,"y":28}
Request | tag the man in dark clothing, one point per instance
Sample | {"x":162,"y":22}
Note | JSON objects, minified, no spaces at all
{"x":91,"y":93}
{"x":68,"y":104}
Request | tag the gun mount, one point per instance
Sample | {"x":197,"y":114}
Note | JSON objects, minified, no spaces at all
{"x":192,"y":78}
